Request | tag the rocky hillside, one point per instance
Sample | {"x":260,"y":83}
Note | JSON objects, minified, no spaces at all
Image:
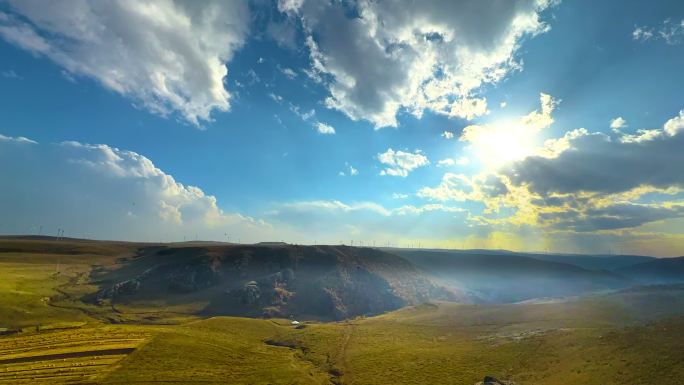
{"x":327,"y":282}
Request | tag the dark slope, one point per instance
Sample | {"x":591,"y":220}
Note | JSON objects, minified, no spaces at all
{"x":280,"y":280}
{"x":591,"y":262}
{"x":657,"y":271}
{"x":510,"y":278}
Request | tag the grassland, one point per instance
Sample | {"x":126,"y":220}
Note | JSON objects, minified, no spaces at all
{"x":632,"y":337}
{"x":447,"y":344}
{"x":75,"y":354}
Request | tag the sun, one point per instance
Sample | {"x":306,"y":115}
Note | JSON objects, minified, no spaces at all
{"x":502,"y":142}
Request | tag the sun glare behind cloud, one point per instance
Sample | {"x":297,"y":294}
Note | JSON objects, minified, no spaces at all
{"x":501,"y":142}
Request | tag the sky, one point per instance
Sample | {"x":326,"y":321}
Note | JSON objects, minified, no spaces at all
{"x":528,"y":125}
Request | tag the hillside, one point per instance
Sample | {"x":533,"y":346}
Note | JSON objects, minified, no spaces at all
{"x":657,"y":271}
{"x":594,"y":262}
{"x":501,"y":277}
{"x":113,"y":279}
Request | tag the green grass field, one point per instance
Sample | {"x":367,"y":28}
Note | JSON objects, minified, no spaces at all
{"x":626,"y":338}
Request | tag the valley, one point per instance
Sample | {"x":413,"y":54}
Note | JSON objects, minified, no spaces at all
{"x":70,"y":314}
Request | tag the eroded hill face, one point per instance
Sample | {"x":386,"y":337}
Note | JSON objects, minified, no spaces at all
{"x":327,"y":282}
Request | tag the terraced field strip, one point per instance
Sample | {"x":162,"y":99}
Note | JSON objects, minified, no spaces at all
{"x":65,"y":357}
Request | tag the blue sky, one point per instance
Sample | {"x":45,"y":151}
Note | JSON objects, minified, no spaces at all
{"x":527,"y":72}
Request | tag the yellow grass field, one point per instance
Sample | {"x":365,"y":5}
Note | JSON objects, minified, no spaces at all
{"x":50,"y":336}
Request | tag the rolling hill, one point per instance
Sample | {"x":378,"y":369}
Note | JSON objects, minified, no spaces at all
{"x":594,"y":262}
{"x":325,"y":282}
{"x":501,"y":277}
{"x":657,"y":271}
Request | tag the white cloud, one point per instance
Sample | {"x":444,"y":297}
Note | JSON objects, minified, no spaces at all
{"x":400,"y":163}
{"x":503,"y":104}
{"x":451,"y":162}
{"x":253,"y":77}
{"x":447,"y":135}
{"x":335,"y":205}
{"x":166,"y":56}
{"x":642,"y":34}
{"x":418,"y":56}
{"x":283,"y":32}
{"x":325,"y":129}
{"x":10,"y":74}
{"x":101,"y":191}
{"x":399,"y":196}
{"x":640,"y":136}
{"x":332,"y":221}
{"x":350,"y":170}
{"x":304,"y":115}
{"x":671,"y":128}
{"x":671,"y":31}
{"x":455,"y":187}
{"x":17,"y":139}
{"x":675,"y":125}
{"x":618,"y":123}
{"x":275,"y":97}
{"x":288,"y":72}
{"x":289,"y":5}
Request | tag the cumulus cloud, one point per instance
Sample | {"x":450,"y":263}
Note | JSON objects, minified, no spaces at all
{"x":618,"y":123}
{"x":595,"y":163}
{"x":460,"y":187}
{"x":596,"y":183}
{"x":447,"y":134}
{"x":325,"y":129}
{"x":400,"y":163}
{"x":675,"y":125}
{"x":580,"y":182}
{"x":430,"y":55}
{"x":167,"y":56}
{"x":101,"y":191}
